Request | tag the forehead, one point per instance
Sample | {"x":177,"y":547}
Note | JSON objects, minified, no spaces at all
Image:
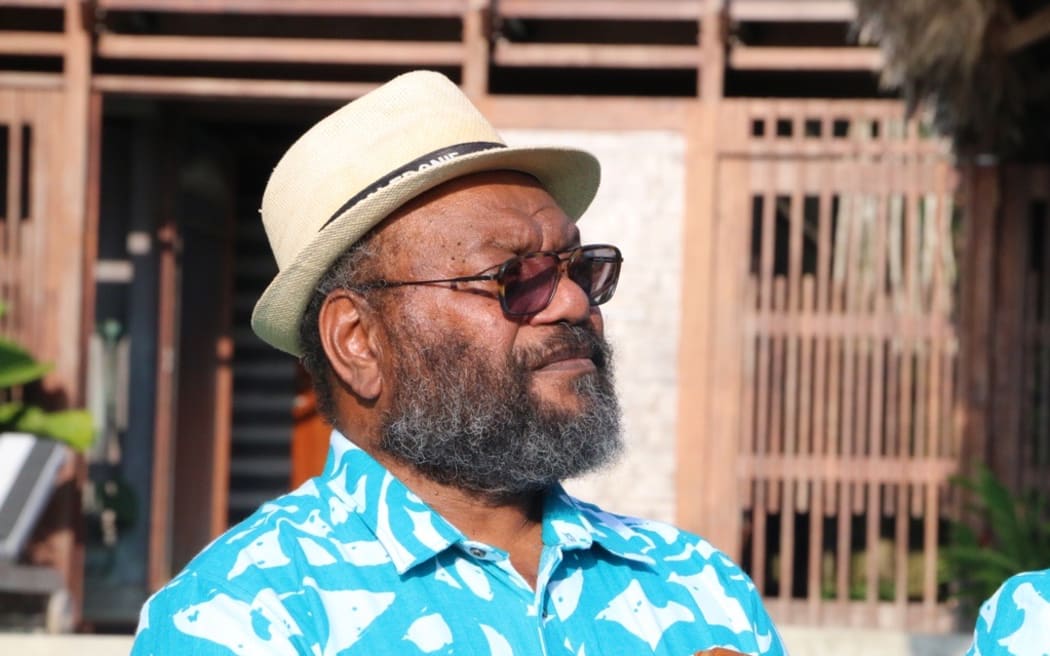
{"x":501,"y":209}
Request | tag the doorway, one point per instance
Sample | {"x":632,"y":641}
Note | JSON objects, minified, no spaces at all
{"x":199,"y":411}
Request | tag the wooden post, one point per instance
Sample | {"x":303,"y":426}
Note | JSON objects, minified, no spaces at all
{"x":65,"y":268}
{"x":476,"y":48}
{"x":161,"y":502}
{"x":977,"y":305}
{"x":92,"y":204}
{"x":712,"y":52}
{"x":715,"y":513}
{"x":1008,"y":338}
{"x":202,"y":398}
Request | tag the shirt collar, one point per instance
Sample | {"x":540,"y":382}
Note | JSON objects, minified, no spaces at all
{"x":574,"y":524}
{"x":411,"y":532}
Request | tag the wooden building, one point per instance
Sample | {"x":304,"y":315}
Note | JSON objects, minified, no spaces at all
{"x":823,"y":394}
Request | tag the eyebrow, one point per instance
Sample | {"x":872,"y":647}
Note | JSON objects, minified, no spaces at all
{"x":519,"y":241}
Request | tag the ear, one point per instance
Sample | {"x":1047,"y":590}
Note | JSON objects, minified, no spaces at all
{"x":349,"y":336}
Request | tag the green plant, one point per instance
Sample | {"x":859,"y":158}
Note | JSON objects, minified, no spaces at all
{"x":1013,"y":535}
{"x":18,"y":367}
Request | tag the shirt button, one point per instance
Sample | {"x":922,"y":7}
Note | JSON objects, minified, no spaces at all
{"x":477,"y":552}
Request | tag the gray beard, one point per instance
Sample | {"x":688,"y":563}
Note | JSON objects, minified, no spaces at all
{"x":461,"y":420}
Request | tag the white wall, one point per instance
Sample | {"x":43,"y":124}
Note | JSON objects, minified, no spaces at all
{"x":639,"y":208}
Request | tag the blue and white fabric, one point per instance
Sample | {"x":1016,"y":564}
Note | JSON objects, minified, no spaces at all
{"x":353,"y":562}
{"x":1015,"y":621}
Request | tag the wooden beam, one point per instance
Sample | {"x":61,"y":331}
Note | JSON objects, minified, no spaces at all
{"x":64,"y":266}
{"x":694,"y":342}
{"x":1028,"y":31}
{"x":35,"y":4}
{"x":162,"y":502}
{"x":213,"y":87}
{"x":848,"y":618}
{"x":711,"y":80}
{"x":302,"y":51}
{"x":977,"y":307}
{"x":92,"y":208}
{"x":1008,"y":385}
{"x":700,"y":227}
{"x":76,"y":143}
{"x":49,"y":44}
{"x":476,"y":30}
{"x":792,"y":59}
{"x":18,"y":79}
{"x":585,"y":113}
{"x":296,"y":7}
{"x":588,"y":55}
{"x":609,"y":9}
{"x":848,"y":468}
{"x":712,"y":427}
{"x":799,"y":10}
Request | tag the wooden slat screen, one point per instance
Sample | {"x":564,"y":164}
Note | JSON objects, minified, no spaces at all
{"x":847,"y":434}
{"x":22,"y":207}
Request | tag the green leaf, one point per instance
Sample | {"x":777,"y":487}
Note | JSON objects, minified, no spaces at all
{"x":17,"y":367}
{"x":72,"y":427}
{"x":1013,"y":535}
{"x":979,"y":559}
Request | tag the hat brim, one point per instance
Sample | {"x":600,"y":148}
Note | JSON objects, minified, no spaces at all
{"x":570,"y":176}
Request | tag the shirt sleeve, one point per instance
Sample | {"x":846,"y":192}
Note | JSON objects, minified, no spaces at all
{"x":196,"y":616}
{"x":766,"y":635}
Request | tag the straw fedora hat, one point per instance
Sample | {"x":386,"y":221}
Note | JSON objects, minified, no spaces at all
{"x":359,"y":164}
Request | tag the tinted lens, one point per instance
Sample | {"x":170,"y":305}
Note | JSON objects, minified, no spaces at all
{"x":529,"y":283}
{"x":596,"y":271}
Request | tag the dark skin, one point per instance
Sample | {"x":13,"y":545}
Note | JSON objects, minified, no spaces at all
{"x":458,"y":229}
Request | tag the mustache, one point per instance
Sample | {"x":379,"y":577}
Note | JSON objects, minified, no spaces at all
{"x":568,"y":342}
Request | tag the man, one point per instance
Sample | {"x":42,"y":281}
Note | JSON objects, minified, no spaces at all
{"x":1015,"y":621}
{"x":434,"y":283}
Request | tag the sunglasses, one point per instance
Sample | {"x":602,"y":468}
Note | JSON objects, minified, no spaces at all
{"x":527,"y":283}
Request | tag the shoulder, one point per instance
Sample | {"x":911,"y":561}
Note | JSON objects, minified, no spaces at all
{"x":259,"y":553}
{"x":682,"y":556}
{"x":695,"y":575}
{"x":1025,"y":593}
{"x":256,"y":542}
{"x":1038,"y":580}
{"x":652,"y":536}
{"x":1016,"y":617}
{"x":235,"y":583}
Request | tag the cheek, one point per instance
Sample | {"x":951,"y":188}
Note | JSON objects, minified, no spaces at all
{"x":474,"y":318}
{"x":495,"y":335}
{"x":597,"y":321}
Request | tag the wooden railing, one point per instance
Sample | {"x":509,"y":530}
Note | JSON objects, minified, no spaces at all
{"x":481,"y":41}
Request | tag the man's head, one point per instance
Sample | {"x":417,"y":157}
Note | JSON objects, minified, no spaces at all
{"x":499,"y":384}
{"x":357,"y":166}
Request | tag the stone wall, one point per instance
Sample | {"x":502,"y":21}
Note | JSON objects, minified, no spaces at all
{"x":639,"y":208}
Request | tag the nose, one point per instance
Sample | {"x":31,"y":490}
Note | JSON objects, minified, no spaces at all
{"x":570,"y":302}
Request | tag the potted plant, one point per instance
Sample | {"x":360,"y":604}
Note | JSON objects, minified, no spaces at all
{"x":17,"y":367}
{"x":33,"y":446}
{"x":1007,"y":533}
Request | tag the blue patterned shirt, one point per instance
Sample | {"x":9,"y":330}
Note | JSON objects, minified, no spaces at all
{"x":1015,"y":621}
{"x":353,"y":562}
